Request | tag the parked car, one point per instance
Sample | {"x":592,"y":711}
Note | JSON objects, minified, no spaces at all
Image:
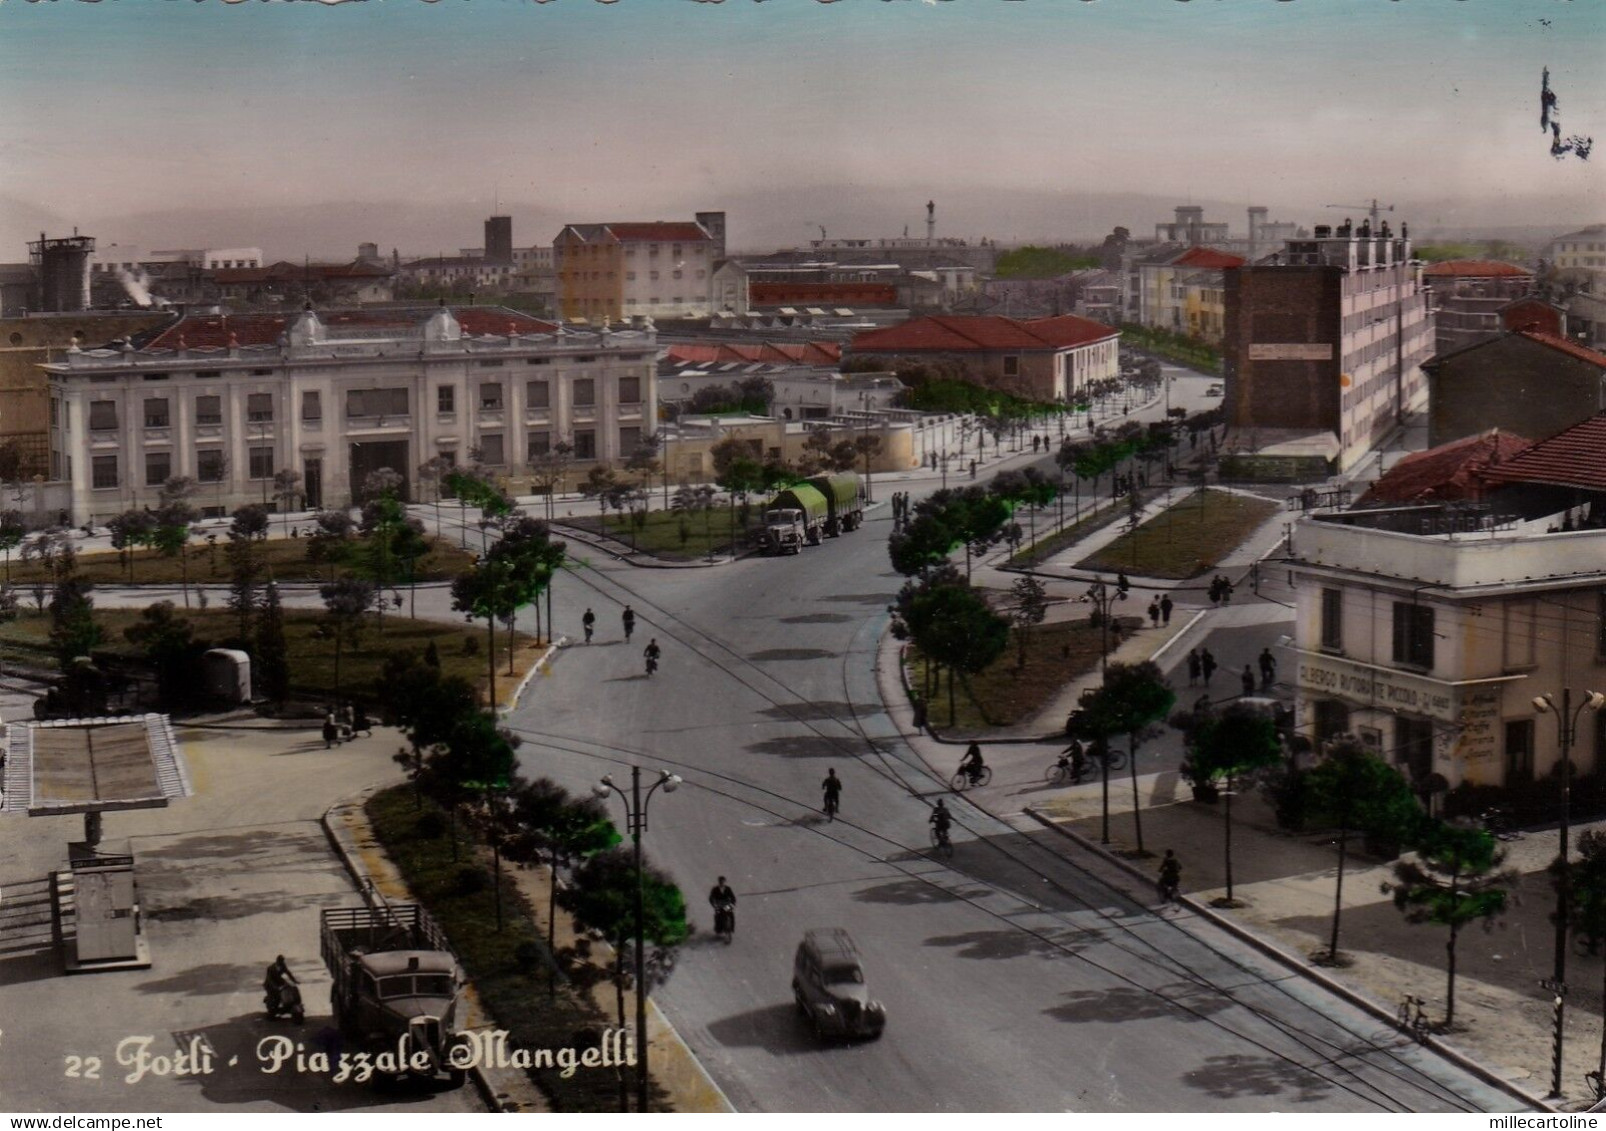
{"x":828,"y":983}
{"x":1214,"y":391}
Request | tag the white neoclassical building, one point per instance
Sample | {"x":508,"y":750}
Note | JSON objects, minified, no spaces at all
{"x":230,"y":400}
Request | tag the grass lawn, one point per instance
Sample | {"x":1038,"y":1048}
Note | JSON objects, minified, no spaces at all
{"x":661,"y":534}
{"x":209,"y":564}
{"x":508,"y":966}
{"x":1004,"y":694}
{"x":312,"y":671}
{"x":1049,"y":545}
{"x":1188,"y":538}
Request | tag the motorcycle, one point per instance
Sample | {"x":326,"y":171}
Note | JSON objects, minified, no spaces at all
{"x":652,"y":664}
{"x":285,"y":1002}
{"x":725,"y":920}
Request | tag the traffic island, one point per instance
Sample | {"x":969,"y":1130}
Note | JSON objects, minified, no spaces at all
{"x":1188,"y":538}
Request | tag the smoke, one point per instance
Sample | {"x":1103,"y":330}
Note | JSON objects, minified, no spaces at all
{"x":137,"y":288}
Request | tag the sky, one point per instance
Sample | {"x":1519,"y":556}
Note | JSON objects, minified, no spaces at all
{"x":406,"y":122}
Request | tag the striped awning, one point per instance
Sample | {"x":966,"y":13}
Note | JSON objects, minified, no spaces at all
{"x":92,"y":765}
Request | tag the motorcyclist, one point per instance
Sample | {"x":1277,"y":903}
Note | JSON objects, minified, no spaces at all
{"x":590,"y":622}
{"x":723,"y":900}
{"x":972,"y":765}
{"x":652,"y":652}
{"x":629,"y":620}
{"x":274,"y":981}
{"x":831,"y":793}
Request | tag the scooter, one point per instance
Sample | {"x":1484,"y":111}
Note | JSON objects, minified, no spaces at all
{"x":725,"y":921}
{"x":285,"y":1003}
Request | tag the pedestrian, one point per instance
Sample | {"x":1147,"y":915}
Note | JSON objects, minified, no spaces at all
{"x":1207,"y":665}
{"x":1154,"y":614}
{"x":1170,"y":877}
{"x":1268,"y":668}
{"x":1215,"y":590}
{"x":589,"y":622}
{"x":1226,"y":590}
{"x":331,"y":729}
{"x":1165,"y":610}
{"x":973,"y":469}
{"x":1194,"y":666}
{"x":1248,"y":679}
{"x":629,"y":619}
{"x":920,"y":714}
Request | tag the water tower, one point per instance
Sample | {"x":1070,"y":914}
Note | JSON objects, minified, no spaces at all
{"x":62,"y":269}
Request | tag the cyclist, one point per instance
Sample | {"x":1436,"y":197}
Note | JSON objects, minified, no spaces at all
{"x":590,"y":622}
{"x":941,"y":820}
{"x":972,"y":765}
{"x":831,"y":789}
{"x":723,"y":900}
{"x":629,"y":619}
{"x":652,"y":652}
{"x":1170,"y":876}
{"x":1074,"y":759}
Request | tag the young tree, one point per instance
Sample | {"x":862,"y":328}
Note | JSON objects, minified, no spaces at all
{"x":170,"y":536}
{"x":1027,"y":607}
{"x":1132,"y":698}
{"x":286,"y":491}
{"x":168,"y":641}
{"x":128,"y":530}
{"x":603,"y":899}
{"x":867,"y":447}
{"x":345,"y":602}
{"x":1454,"y":881}
{"x":1353,"y":790}
{"x":272,"y":649}
{"x":73,"y":631}
{"x":330,"y":539}
{"x":953,"y":625}
{"x":1240,"y":739}
{"x":548,"y":471}
{"x":245,"y":575}
{"x":12,"y":532}
{"x":424,"y":704}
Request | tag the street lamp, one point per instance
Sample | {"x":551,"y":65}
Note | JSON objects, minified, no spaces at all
{"x":1567,"y":731}
{"x":1103,"y":598}
{"x":636,"y":820}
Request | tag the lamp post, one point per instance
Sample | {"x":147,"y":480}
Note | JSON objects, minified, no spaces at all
{"x":1103,"y":599}
{"x":1566,"y":732}
{"x":636,"y":820}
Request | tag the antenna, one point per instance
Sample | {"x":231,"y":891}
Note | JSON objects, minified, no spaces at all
{"x":1372,"y":210}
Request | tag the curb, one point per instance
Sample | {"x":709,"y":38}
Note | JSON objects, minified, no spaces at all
{"x":1297,"y":965}
{"x":544,"y":660}
{"x":638,"y":558}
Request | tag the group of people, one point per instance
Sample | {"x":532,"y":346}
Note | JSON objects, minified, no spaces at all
{"x":1220,"y":590}
{"x":344,"y":724}
{"x":901,"y":509}
{"x":1202,"y":665}
{"x":1160,"y":610}
{"x":652,"y":653}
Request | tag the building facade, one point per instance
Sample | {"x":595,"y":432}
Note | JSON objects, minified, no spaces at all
{"x":1528,"y":382}
{"x":1330,"y":339}
{"x":1468,"y":295}
{"x":612,"y":272}
{"x":232,"y":400}
{"x":1582,"y":252}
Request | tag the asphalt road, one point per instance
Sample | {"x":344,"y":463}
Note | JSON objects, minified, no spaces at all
{"x":1013,"y":979}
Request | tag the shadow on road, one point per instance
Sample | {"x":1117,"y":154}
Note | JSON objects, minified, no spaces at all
{"x":1228,"y":1077}
{"x":804,"y":746}
{"x":791,"y":654}
{"x":1180,"y":1001}
{"x":777,"y":1029}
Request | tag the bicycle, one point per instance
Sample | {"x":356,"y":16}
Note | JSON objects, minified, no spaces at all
{"x":963,"y":780}
{"x":940,"y":841}
{"x":1062,"y":773}
{"x":1114,"y":759}
{"x":832,"y":803}
{"x":1497,"y":822}
{"x":1413,"y":1020}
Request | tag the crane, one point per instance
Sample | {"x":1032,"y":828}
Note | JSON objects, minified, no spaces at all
{"x":1371,"y":210}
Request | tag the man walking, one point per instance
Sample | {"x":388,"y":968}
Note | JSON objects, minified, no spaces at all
{"x":1268,"y":668}
{"x":1154,"y":614}
{"x":1165,"y":610}
{"x":1207,"y":665}
{"x":1194,"y":666}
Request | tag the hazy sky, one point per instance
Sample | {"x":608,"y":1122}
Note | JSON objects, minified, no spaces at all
{"x":648,"y":108}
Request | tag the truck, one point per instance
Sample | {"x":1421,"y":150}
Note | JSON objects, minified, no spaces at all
{"x":842,"y":497}
{"x":794,"y":518}
{"x":398,"y":988}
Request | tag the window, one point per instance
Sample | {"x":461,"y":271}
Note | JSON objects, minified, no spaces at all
{"x":209,"y":465}
{"x":538,"y":394}
{"x":537,"y":444}
{"x":1413,"y":747}
{"x":1520,"y":751}
{"x":1332,"y":719}
{"x":209,"y":410}
{"x":311,"y":406}
{"x":1333,"y":618}
{"x":103,"y":472}
{"x":103,"y":417}
{"x":490,"y":396}
{"x":1011,"y":365}
{"x":1413,"y":634}
{"x":158,"y":468}
{"x":491,"y":450}
{"x":630,"y":390}
{"x":678,"y":274}
{"x":653,"y":275}
{"x":445,"y":398}
{"x":585,"y":391}
{"x":209,"y":372}
{"x":259,"y":407}
{"x":492,"y":363}
{"x":585,"y":443}
{"x":156,"y":413}
{"x":538,"y":361}
{"x":629,"y":440}
{"x":376,"y":402}
{"x":261,"y":463}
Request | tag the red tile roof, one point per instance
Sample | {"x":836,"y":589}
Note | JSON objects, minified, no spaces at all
{"x":769,"y":353}
{"x":976,"y":333}
{"x":1447,"y":473}
{"x":1208,"y":257}
{"x":659,"y":231}
{"x":213,"y":331}
{"x":1474,"y":269}
{"x":1575,"y":457}
{"x":1573,"y":349}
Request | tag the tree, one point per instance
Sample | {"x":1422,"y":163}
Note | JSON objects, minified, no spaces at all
{"x":1027,"y":608}
{"x":1355,"y":791}
{"x":867,"y":447}
{"x":286,"y":490}
{"x":431,"y":472}
{"x":424,"y":704}
{"x":952,"y":625}
{"x":245,"y":574}
{"x":128,"y":530}
{"x":1455,"y":880}
{"x":924,"y":542}
{"x":1131,"y":699}
{"x":476,"y":757}
{"x":168,"y":641}
{"x":548,"y":470}
{"x":491,"y":590}
{"x":330,"y":539}
{"x":1238,"y":740}
{"x":12,"y":532}
{"x":272,"y":649}
{"x":73,"y":631}
{"x":602,"y":898}
{"x":345,"y":601}
{"x":1587,"y":916}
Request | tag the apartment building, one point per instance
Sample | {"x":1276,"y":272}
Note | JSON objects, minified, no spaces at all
{"x":1468,"y":296}
{"x":618,"y":271}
